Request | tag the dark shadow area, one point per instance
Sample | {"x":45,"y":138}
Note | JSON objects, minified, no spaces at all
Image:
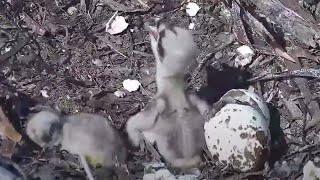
{"x":279,"y":146}
{"x":16,"y":107}
{"x":221,"y":81}
{"x":26,"y":149}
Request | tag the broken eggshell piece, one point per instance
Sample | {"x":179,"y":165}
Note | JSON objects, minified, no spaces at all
{"x":238,"y":135}
{"x":246,"y":97}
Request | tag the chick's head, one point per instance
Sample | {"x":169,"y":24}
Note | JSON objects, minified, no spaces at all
{"x":173,"y":47}
{"x":44,"y":128}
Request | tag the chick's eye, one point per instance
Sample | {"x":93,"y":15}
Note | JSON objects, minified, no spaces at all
{"x":46,"y":138}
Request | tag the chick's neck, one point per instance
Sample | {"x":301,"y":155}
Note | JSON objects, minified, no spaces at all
{"x":173,"y":87}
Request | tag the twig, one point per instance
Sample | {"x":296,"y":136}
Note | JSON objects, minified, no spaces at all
{"x":112,"y":17}
{"x":289,"y":21}
{"x":144,"y":4}
{"x":116,"y":6}
{"x":142,"y":53}
{"x":247,"y":174}
{"x":151,"y":149}
{"x":304,"y":72}
{"x":86,"y":167}
{"x":301,"y":150}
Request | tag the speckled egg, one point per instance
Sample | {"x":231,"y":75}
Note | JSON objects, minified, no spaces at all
{"x":238,"y":136}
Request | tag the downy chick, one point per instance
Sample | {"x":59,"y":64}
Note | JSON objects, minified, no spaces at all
{"x":84,"y":134}
{"x":45,"y":128}
{"x":170,"y":119}
{"x":94,"y":137}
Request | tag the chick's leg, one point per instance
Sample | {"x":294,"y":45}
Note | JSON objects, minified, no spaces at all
{"x":200,"y":104}
{"x":188,"y":143}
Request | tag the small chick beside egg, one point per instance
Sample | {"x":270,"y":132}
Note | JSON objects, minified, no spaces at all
{"x":237,"y":134}
{"x":83,"y":134}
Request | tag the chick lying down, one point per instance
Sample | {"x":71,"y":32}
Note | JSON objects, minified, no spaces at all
{"x":101,"y":139}
{"x":87,"y":135}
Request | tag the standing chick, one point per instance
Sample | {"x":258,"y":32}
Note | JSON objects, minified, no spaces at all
{"x":84,"y":134}
{"x":170,"y":118}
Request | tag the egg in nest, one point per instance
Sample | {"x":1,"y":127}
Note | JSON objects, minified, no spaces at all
{"x":237,"y":131}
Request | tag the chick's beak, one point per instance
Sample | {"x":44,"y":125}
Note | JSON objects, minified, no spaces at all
{"x":153,"y":31}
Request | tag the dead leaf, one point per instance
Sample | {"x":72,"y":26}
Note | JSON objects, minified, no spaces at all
{"x":7,"y":129}
{"x":283,"y":54}
{"x":279,"y":50}
{"x":7,"y":148}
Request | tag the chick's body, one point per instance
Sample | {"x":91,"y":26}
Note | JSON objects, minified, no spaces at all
{"x":180,"y":135}
{"x":173,"y":122}
{"x":89,"y":135}
{"x":92,"y":136}
{"x":44,"y":128}
{"x":173,"y":118}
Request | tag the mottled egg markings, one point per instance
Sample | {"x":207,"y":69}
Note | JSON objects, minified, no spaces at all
{"x":243,"y":135}
{"x":227,"y":121}
{"x":247,"y":137}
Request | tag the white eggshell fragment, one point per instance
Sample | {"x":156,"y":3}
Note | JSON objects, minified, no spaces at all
{"x":238,"y":136}
{"x":248,"y":98}
{"x":71,"y":10}
{"x":119,"y":94}
{"x":191,"y":26}
{"x":245,"y":55}
{"x":192,"y":9}
{"x":44,"y":93}
{"x":117,"y":26}
{"x":131,"y":85}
